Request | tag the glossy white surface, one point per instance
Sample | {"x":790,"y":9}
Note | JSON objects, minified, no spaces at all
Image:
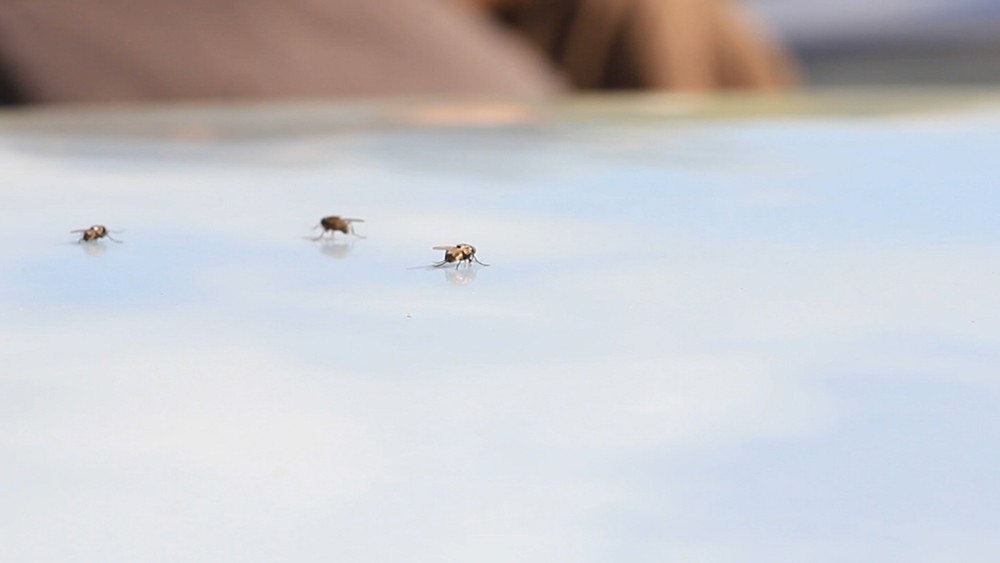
{"x":756,"y":338}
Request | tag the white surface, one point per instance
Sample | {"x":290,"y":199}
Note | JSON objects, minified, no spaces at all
{"x":748,"y":340}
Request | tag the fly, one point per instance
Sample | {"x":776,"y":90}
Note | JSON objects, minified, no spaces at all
{"x":458,"y":254}
{"x":333,"y":223}
{"x":94,"y":233}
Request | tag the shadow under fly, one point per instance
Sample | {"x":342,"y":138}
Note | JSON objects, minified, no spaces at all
{"x":94,"y":233}
{"x":333,"y":223}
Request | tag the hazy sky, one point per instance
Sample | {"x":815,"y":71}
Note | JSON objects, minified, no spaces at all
{"x":819,"y":21}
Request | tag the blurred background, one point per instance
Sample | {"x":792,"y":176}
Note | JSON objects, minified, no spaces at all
{"x":63,"y":51}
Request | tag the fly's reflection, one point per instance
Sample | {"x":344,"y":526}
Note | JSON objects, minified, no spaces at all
{"x":460,"y":277}
{"x":94,"y":249}
{"x":336,"y":250}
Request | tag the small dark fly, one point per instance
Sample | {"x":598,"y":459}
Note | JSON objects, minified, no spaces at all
{"x":458,"y":254}
{"x":333,"y":223}
{"x":94,"y":233}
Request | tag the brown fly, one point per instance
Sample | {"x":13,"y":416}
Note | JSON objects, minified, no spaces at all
{"x":333,"y":223}
{"x":457,"y":255}
{"x":94,"y":233}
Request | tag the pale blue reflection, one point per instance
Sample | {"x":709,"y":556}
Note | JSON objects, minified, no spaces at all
{"x":755,"y":340}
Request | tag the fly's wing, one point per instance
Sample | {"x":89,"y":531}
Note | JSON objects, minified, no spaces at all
{"x":451,"y":254}
{"x":348,"y":220}
{"x":79,"y":231}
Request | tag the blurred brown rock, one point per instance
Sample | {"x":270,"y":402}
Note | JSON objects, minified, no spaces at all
{"x":136,"y":50}
{"x":129,"y":50}
{"x":651,"y":44}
